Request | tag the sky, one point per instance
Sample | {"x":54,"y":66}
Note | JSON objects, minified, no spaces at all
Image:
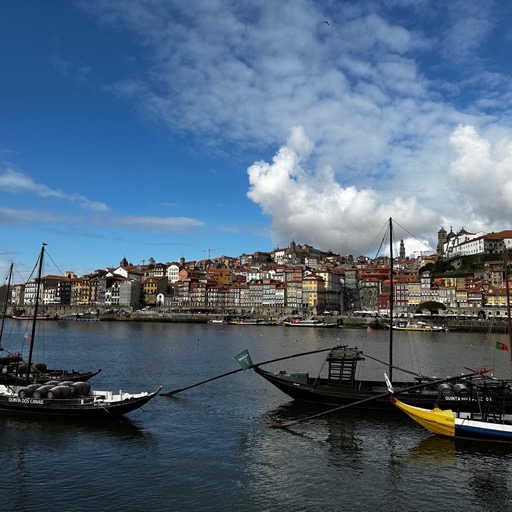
{"x":166,"y":129}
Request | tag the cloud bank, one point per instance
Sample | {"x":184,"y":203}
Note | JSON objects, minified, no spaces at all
{"x":312,"y":207}
{"x":387,"y":94}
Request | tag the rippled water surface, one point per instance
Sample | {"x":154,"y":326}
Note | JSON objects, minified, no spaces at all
{"x":211,"y":447}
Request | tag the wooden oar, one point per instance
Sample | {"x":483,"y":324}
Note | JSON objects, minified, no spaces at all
{"x":179,"y":390}
{"x":291,"y":423}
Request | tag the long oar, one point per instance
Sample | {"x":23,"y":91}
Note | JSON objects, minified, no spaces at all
{"x":291,"y":423}
{"x":179,"y":390}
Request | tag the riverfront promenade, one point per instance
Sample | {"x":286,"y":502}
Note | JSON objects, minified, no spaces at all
{"x":88,"y":313}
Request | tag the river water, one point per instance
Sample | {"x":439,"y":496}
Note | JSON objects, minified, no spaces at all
{"x":211,"y":447}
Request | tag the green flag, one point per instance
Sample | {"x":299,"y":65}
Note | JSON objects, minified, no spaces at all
{"x":244,"y":359}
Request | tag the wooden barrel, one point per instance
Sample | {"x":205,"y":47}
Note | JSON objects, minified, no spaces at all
{"x":27,"y":391}
{"x":60,"y":392}
{"x":42,"y":391}
{"x":81,"y":388}
{"x":66,"y":383}
{"x":54,"y":382}
{"x":445,"y":389}
{"x":461,"y":389}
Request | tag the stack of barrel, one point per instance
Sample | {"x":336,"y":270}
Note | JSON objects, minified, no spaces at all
{"x":55,"y":390}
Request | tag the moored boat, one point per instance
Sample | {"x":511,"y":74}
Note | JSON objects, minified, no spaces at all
{"x":250,"y":321}
{"x":80,"y":317}
{"x":13,"y":368}
{"x":59,"y":398}
{"x":312,"y":323}
{"x":69,"y":399}
{"x":340,"y":386}
{"x":418,"y":327}
{"x":485,"y":421}
{"x":39,"y":318}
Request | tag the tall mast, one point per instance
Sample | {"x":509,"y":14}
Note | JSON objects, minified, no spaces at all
{"x":36,"y":308}
{"x":391,"y":299}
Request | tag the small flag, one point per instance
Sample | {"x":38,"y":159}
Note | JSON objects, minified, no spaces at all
{"x":501,"y":346}
{"x":388,"y":383}
{"x":28,"y":336}
{"x":244,"y":359}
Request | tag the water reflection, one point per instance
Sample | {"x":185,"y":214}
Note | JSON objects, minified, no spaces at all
{"x":355,"y":440}
{"x":338,"y":434}
{"x":212,"y":447}
{"x":430,"y":451}
{"x":480,"y":467}
{"x":21,"y":479}
{"x":63,"y":454}
{"x":50,"y":428}
{"x":490,"y":481}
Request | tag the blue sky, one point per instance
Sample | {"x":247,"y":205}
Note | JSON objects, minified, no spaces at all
{"x":163,"y":128}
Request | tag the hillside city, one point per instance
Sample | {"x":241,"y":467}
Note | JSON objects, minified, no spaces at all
{"x":298,"y":279}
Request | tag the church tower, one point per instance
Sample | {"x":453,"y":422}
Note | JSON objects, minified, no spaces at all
{"x":402,"y":249}
{"x":442,"y":238}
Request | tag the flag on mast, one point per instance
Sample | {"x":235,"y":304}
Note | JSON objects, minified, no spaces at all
{"x":244,"y":359}
{"x":501,"y":346}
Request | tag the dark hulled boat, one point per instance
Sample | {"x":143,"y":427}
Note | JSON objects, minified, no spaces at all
{"x":13,"y":368}
{"x":340,"y":387}
{"x":69,"y":399}
{"x":59,"y":398}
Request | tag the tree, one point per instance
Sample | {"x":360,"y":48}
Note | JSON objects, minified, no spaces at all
{"x":431,"y":305}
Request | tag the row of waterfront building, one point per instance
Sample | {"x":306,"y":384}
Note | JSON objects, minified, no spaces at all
{"x":465,"y":243}
{"x":296,"y":279}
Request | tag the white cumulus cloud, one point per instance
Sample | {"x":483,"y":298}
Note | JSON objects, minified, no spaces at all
{"x":482,"y":177}
{"x":313,"y":207}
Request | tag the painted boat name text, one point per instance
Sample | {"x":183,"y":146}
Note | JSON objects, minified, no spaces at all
{"x":26,"y":401}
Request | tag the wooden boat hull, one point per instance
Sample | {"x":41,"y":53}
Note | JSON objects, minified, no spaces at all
{"x":449,"y":424}
{"x":49,"y":375}
{"x":95,"y":405}
{"x":484,"y":431}
{"x":413,"y":328}
{"x":301,"y":387}
{"x":250,"y":322}
{"x":317,"y":325}
{"x":406,"y":326}
{"x":58,"y":398}
{"x":39,"y":317}
{"x":437,"y":421}
{"x":13,"y":371}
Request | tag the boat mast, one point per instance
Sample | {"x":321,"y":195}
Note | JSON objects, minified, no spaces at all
{"x":36,"y":308}
{"x":6,"y":303}
{"x":391,"y":300}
